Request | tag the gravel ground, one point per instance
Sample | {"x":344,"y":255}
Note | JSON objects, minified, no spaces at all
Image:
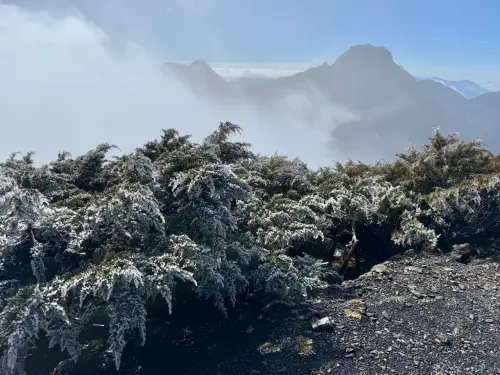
{"x":429,"y":315}
{"x":410,"y":315}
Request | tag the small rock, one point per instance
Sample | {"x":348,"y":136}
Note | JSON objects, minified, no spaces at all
{"x":380,"y":268}
{"x":443,"y":339}
{"x":268,"y":348}
{"x":412,"y":269}
{"x":416,"y":293}
{"x":386,"y":315}
{"x":323,"y":324}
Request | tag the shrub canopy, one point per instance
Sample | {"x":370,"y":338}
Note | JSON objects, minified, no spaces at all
{"x":91,"y":236}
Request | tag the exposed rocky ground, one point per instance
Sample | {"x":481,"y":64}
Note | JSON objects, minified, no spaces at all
{"x":429,"y":315}
{"x":410,"y":315}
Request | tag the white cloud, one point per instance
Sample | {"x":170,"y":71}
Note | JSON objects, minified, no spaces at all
{"x":232,"y":71}
{"x":489,"y":80}
{"x":66,"y":87}
{"x":235,"y":73}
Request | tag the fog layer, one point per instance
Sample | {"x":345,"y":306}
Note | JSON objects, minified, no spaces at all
{"x":66,"y":86}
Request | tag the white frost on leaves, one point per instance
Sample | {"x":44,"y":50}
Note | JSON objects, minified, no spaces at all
{"x":413,"y":233}
{"x":109,"y":238}
{"x":366,"y":198}
{"x":125,"y":286}
{"x":27,"y":313}
{"x":283,"y":222}
{"x":26,"y":217}
{"x":130,"y":210}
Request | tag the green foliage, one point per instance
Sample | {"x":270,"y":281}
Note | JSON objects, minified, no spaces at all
{"x":98,"y":238}
{"x":442,"y":163}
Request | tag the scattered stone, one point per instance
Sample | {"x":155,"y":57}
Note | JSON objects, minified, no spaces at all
{"x":443,"y":339}
{"x":453,"y":333}
{"x":380,"y":268}
{"x":268,"y":348}
{"x":386,"y":315}
{"x":413,"y":269}
{"x":416,"y":293}
{"x":323,"y":324}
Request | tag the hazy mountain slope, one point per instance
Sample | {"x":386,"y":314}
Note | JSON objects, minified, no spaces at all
{"x":465,"y":87}
{"x":201,"y":78}
{"x":485,"y":115}
{"x":386,"y":105}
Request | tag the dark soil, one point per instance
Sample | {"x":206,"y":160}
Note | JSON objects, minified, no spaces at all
{"x":410,"y":315}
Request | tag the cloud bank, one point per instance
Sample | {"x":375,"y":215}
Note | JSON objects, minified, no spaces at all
{"x":67,"y":86}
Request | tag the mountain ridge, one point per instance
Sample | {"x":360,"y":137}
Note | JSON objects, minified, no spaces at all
{"x":469,"y":89}
{"x":389,"y":104}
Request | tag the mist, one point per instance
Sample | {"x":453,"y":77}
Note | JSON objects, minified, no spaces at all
{"x":68,"y":86}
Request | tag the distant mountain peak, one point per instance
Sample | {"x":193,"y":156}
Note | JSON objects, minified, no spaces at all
{"x":465,"y":87}
{"x":201,"y":77}
{"x":366,"y":53}
{"x":200,"y":64}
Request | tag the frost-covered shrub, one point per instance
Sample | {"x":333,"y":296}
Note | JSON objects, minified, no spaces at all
{"x":272,"y":175}
{"x":442,"y":163}
{"x":466,"y":212}
{"x":367,"y":208}
{"x":412,"y":233}
{"x":90,"y":238}
{"x":87,"y":237}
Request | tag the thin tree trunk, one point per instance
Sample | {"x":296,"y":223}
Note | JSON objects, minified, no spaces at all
{"x":358,"y":263}
{"x":332,"y":252}
{"x":352,"y":251}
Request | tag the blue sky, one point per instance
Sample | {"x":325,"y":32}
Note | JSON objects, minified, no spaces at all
{"x":443,"y":36}
{"x":459,"y":32}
